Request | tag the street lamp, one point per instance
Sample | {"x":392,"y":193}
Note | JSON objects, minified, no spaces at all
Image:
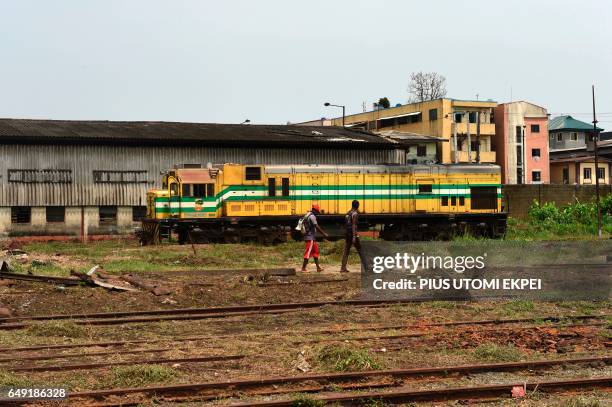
{"x":343,"y":110}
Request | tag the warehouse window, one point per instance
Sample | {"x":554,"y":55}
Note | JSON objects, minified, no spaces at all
{"x":40,"y":176}
{"x":536,"y":176}
{"x":138,"y":213}
{"x":425,"y":189}
{"x":21,"y":214}
{"x":56,"y":214}
{"x":199,"y":190}
{"x":601,"y":173}
{"x":433,"y":114}
{"x":210,"y":190}
{"x":271,"y":187}
{"x":484,"y":197}
{"x":586,"y":173}
{"x":444,"y":201}
{"x":108,"y":215}
{"x":252,"y":173}
{"x":535,"y":128}
{"x":421,"y":151}
{"x":535,"y":152}
{"x":285,"y":187}
{"x":119,"y":177}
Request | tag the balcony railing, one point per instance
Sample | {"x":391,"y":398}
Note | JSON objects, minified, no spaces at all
{"x":485,"y":128}
{"x":485,"y":156}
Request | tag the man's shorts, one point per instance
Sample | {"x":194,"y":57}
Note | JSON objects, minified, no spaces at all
{"x":311,"y":250}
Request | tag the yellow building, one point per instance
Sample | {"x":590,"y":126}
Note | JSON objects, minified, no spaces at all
{"x":440,"y":118}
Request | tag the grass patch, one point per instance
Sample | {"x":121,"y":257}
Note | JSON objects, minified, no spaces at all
{"x":66,"y":329}
{"x":519,"y":306}
{"x":494,"y":352}
{"x":304,"y":400}
{"x":342,"y":359}
{"x":141,"y":375}
{"x":8,"y":379}
{"x":580,"y":401}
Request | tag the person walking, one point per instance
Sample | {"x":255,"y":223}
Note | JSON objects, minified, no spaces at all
{"x":310,"y":237}
{"x":351,"y":237}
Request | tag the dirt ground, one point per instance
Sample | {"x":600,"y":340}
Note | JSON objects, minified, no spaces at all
{"x":319,"y":340}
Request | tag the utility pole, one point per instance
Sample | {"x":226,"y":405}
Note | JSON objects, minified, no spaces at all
{"x":595,"y":139}
{"x":478,"y":136}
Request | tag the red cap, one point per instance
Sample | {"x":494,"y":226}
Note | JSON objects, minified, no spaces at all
{"x":316,"y":208}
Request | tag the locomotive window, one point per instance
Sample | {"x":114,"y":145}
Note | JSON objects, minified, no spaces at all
{"x":461,"y":201}
{"x":199,"y":190}
{"x":425,"y":189}
{"x":210,"y":190}
{"x":252,"y":173}
{"x":186,"y":190}
{"x":453,"y":201}
{"x":444,"y":201}
{"x":285,"y":186}
{"x":483,"y":197}
{"x":271,"y":186}
{"x":173,"y":189}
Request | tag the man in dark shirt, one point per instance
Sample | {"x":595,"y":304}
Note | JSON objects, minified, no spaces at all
{"x":312,"y":248}
{"x":351,"y":236}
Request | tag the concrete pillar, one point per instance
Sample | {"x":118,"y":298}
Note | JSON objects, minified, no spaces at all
{"x":38,"y":217}
{"x":5,"y":220}
{"x":124,"y":218}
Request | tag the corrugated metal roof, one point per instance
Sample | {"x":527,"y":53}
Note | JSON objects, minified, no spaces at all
{"x":568,"y":123}
{"x":177,"y":133}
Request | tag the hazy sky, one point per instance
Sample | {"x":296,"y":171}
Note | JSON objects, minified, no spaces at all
{"x":274,"y":61}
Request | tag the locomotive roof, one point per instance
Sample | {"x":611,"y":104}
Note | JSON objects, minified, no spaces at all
{"x":383,"y":169}
{"x":138,"y":133}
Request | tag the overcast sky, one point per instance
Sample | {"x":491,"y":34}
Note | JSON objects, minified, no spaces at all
{"x":274,"y":61}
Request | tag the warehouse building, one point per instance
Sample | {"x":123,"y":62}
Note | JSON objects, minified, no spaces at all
{"x":74,"y":177}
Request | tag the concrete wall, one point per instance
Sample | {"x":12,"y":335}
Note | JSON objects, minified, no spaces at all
{"x":71,"y":226}
{"x":518,"y":198}
{"x":567,"y":141}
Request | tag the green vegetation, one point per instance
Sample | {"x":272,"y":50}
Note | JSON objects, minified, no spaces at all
{"x":342,"y":358}
{"x":519,"y":306}
{"x":303,"y":400}
{"x":65,"y":329}
{"x":141,"y":375}
{"x":494,"y":352}
{"x":8,"y":379}
{"x":577,"y":220}
{"x":580,"y":401}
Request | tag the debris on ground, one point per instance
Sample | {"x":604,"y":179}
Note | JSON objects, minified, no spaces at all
{"x":156,"y":289}
{"x":16,"y":254}
{"x":301,"y":363}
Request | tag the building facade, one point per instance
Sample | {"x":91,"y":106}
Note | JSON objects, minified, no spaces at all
{"x":521,"y":143}
{"x":90,"y":177}
{"x":579,"y":170}
{"x":457,"y":121}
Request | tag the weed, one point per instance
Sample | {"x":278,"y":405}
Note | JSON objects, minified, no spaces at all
{"x":494,"y":352}
{"x":580,"y":401}
{"x":140,"y":375}
{"x":303,"y":400}
{"x":372,"y":402}
{"x":66,"y":329}
{"x":519,"y":306}
{"x":8,"y":379}
{"x":342,"y":358}
{"x":443,"y":304}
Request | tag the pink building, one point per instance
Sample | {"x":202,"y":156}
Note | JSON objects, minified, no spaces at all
{"x":521,"y":143}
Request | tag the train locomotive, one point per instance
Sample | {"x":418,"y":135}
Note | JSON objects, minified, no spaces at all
{"x":236,"y":202}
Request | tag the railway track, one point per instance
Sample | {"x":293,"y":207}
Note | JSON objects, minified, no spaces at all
{"x":270,"y":385}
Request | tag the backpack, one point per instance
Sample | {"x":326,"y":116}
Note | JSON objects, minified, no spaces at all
{"x":301,"y":226}
{"x":348,"y":221}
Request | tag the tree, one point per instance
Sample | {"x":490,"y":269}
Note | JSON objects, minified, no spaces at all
{"x":384,"y":103}
{"x":426,"y":86}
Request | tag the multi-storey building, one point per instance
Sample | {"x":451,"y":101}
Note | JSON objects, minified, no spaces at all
{"x":467,"y":125}
{"x":521,"y":143}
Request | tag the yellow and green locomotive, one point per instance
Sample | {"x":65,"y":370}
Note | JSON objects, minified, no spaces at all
{"x":236,"y":202}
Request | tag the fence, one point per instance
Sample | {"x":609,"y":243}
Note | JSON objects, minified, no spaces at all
{"x":518,"y":198}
